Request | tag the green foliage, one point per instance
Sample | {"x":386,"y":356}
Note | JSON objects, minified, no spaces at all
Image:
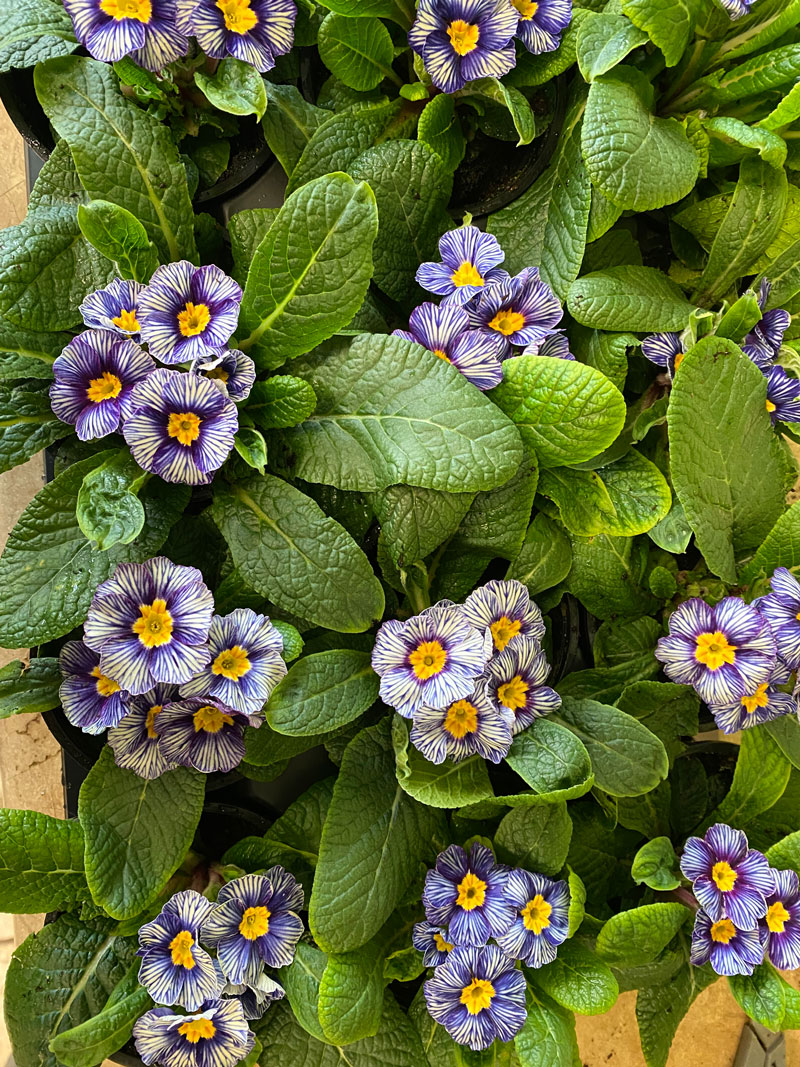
{"x":358,"y":51}
{"x":322,"y":692}
{"x":119,"y":236}
{"x":235,"y":87}
{"x":41,"y":862}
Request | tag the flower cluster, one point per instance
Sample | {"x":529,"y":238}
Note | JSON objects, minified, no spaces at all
{"x":470,"y":676}
{"x":762,"y":345}
{"x":156,"y":32}
{"x":485,"y":314}
{"x":736,"y":655}
{"x":254,"y":924}
{"x":748,"y":911}
{"x":178,"y":425}
{"x":175,"y":683}
{"x":462,"y":40}
{"x":477,"y":992}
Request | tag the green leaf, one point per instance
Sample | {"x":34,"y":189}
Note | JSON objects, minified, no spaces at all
{"x":755,"y":76}
{"x":415,"y":521}
{"x":750,"y":225}
{"x":630,"y":644}
{"x":358,"y":51}
{"x":740,"y":318}
{"x":607,"y":574}
{"x":730,"y":136}
{"x":548,"y":1037}
{"x":89,"y":960}
{"x":28,"y":353}
{"x":119,"y":236}
{"x":669,"y":23}
{"x":566,"y":412}
{"x":235,"y":87}
{"x":443,"y":785}
{"x":401,"y":11}
{"x":532,"y":70}
{"x":285,"y":544}
{"x":29,"y":687}
{"x":656,"y":865}
{"x":281,"y":401}
{"x":544,"y":559}
{"x":515,"y":102}
{"x":33,"y":33}
{"x":641,"y":299}
{"x":717,"y":411}
{"x":780,"y":547}
{"x":389,"y":411}
{"x":604,"y":41}
{"x":631,"y":938}
{"x":535,"y":838}
{"x":660,"y":1008}
{"x":650,"y":161}
{"x":301,"y":981}
{"x":93,"y":1041}
{"x":760,"y":995}
{"x":412,"y":187}
{"x":27,"y":422}
{"x":289,"y":123}
{"x":440,"y":129}
{"x":137,"y":831}
{"x":784,"y":855}
{"x":669,"y":711}
{"x":121,"y":152}
{"x":578,"y":980}
{"x":322,"y":692}
{"x":310,"y":273}
{"x":606,"y":352}
{"x":109,"y":511}
{"x":761,"y":775}
{"x":374,"y":837}
{"x":627,"y":759}
{"x":552,"y":761}
{"x":247,"y":229}
{"x":351,"y":994}
{"x":252,"y":447}
{"x":547,"y":224}
{"x":41,"y":862}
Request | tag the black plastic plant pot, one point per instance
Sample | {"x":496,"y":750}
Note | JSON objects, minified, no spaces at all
{"x":23,"y":107}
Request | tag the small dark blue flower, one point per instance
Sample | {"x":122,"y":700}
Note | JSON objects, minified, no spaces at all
{"x":233,"y":371}
{"x":665,"y":350}
{"x":729,"y":949}
{"x":114,"y":308}
{"x":541,"y":917}
{"x":464,"y":895}
{"x":136,"y":741}
{"x":541,"y":23}
{"x":203,"y":734}
{"x":432,"y":942}
{"x":762,"y":704}
{"x":522,"y":311}
{"x":515,"y":680}
{"x":255,"y":997}
{"x":254,"y":31}
{"x":783,"y":395}
{"x":461,"y":40}
{"x":445,"y":330}
{"x":764,"y":341}
{"x":780,"y":927}
{"x":504,"y":607}
{"x":174,"y":968}
{"x":781,"y":609}
{"x":728,"y":878}
{"x":556,"y":346}
{"x":91,"y":700}
{"x":467,"y":727}
{"x":470,"y":261}
{"x":143,"y":29}
{"x":216,"y":1037}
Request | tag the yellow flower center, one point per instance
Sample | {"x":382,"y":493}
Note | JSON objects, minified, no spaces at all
{"x":185,"y":426}
{"x":777,"y":917}
{"x":513,"y":694}
{"x":471,"y":892}
{"x":196,"y":1029}
{"x":679,"y":359}
{"x":441,"y":354}
{"x":255,"y":923}
{"x":127,"y":321}
{"x":193,"y":319}
{"x":503,"y":630}
{"x":770,"y":406}
{"x":231,"y":663}
{"x":723,"y":931}
{"x":106,"y":686}
{"x":461,"y":719}
{"x":759,"y":699}
{"x":467,"y":274}
{"x":150,"y":720}
{"x":526,"y":8}
{"x":106,"y":387}
{"x":428,"y":659}
{"x":536,"y":914}
{"x":210,"y":719}
{"x":141,"y":10}
{"x":463,"y":36}
{"x":154,"y":625}
{"x":724,"y":876}
{"x":477,"y":995}
{"x":181,"y":948}
{"x":239,"y":16}
{"x":714,"y":649}
{"x":218,"y":373}
{"x":507,"y":322}
{"x":441,"y":944}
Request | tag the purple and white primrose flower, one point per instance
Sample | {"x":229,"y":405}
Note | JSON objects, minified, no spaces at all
{"x":477,"y":995}
{"x":174,"y":968}
{"x":665,"y":350}
{"x":762,"y":704}
{"x":522,"y":311}
{"x":783,"y":395}
{"x":114,"y":308}
{"x":781,"y":609}
{"x":254,"y":31}
{"x":472,"y":726}
{"x":725,"y":652}
{"x":232,"y":371}
{"x":181,"y":426}
{"x":515,"y":680}
{"x":445,"y":330}
{"x":91,"y":700}
{"x":95,"y":377}
{"x":216,"y":1037}
{"x":188,"y":312}
{"x":737,"y":8}
{"x":432,"y":942}
{"x":246,"y":662}
{"x":430,"y":659}
{"x":729,"y":949}
{"x":464,"y":895}
{"x":556,"y":346}
{"x":255,"y":923}
{"x":149,"y":622}
{"x":729,"y":878}
{"x":541,"y":920}
{"x":143,"y":29}
{"x":461,"y":40}
{"x":255,"y":997}
{"x":135,"y":740}
{"x":764,"y":341}
{"x":780,"y":927}
{"x":542,"y":23}
{"x":504,"y":607}
{"x":470,"y":261}
{"x":203,"y":734}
